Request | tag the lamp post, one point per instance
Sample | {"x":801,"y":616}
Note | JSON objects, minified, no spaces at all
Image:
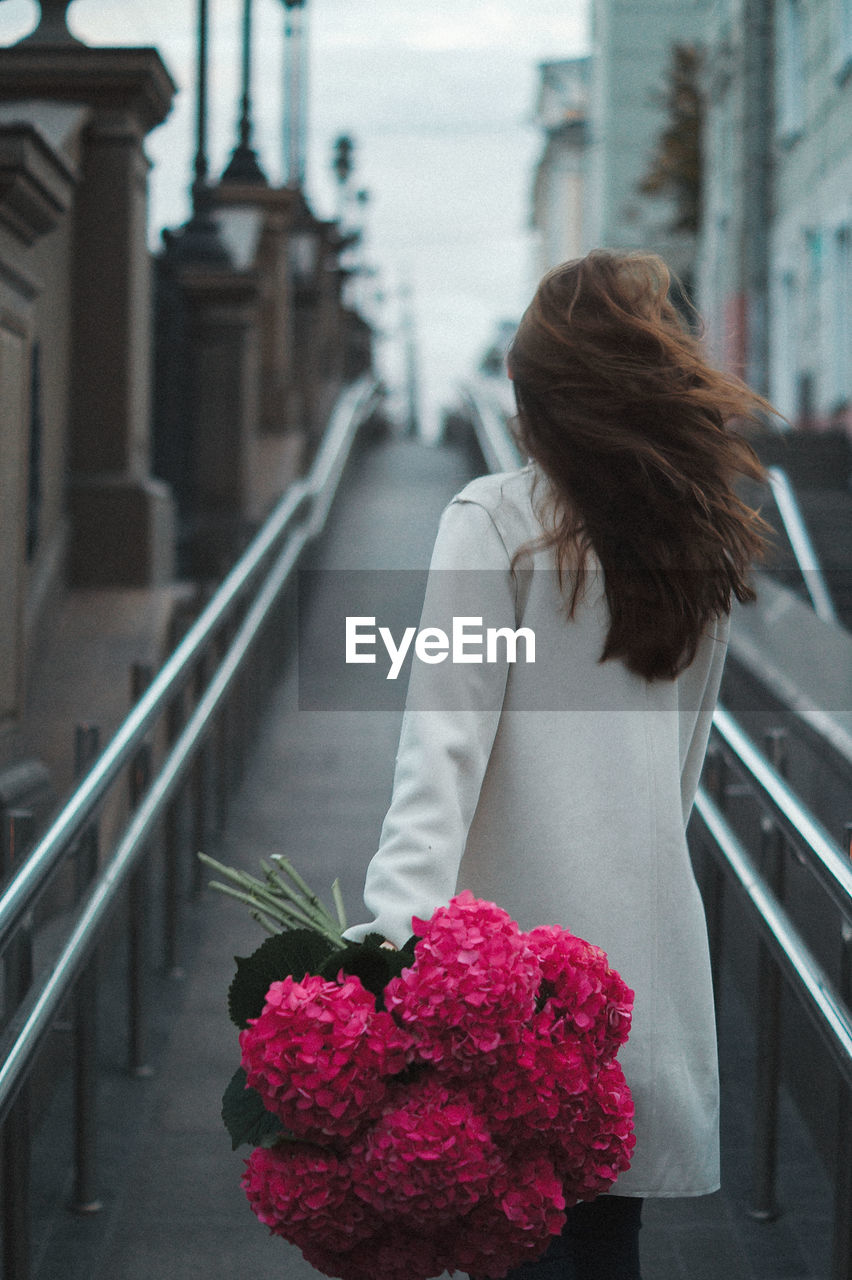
{"x":342,"y":164}
{"x":295,"y":92}
{"x":53,"y":25}
{"x":199,"y":240}
{"x":244,"y":165}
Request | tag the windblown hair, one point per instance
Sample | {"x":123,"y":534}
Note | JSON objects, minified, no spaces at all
{"x":621,"y":411}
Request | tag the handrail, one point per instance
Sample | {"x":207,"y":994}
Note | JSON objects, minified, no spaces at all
{"x":826,"y":862}
{"x":499,"y":449}
{"x":72,"y":819}
{"x":19,"y":895}
{"x":817,"y":723}
{"x":800,"y":540}
{"x":31,"y":1021}
{"x":816,"y":990}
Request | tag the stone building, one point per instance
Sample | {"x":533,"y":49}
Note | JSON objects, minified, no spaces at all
{"x":80,"y":506}
{"x":108,"y":472}
{"x":558,"y":183}
{"x":775,"y":257}
{"x":631,"y":49}
{"x":769,"y":260}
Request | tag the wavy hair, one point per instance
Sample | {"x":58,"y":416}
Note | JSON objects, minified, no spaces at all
{"x":621,"y":411}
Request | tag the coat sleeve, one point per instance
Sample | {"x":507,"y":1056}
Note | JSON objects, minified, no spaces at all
{"x":451,"y":717}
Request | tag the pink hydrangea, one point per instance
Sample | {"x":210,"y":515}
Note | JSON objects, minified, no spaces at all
{"x":513,"y":1104}
{"x":472,"y":986}
{"x":304,"y":1193}
{"x":537,"y":1085}
{"x":428,"y":1158}
{"x":320,"y":1056}
{"x":393,"y":1253}
{"x":579,"y":986}
{"x":600,"y":1146}
{"x":516,"y":1224}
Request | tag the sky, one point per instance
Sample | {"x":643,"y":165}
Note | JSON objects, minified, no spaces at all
{"x":439,"y":98}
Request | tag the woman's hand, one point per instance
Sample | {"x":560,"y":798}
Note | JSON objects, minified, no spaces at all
{"x":387,"y":945}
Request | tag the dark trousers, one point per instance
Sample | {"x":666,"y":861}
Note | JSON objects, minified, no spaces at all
{"x":600,"y":1241}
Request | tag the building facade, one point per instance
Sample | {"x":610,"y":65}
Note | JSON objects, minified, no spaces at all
{"x":558,"y":182}
{"x":630,"y":57}
{"x":769,"y":260}
{"x":810,"y":283}
{"x":775,"y":254}
{"x":143,"y":405}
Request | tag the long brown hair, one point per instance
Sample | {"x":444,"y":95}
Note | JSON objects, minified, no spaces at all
{"x":621,"y":411}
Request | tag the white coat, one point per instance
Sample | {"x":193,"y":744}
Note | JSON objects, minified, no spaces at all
{"x":561,"y":791}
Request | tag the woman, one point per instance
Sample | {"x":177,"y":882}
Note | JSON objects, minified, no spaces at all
{"x":561,"y":789}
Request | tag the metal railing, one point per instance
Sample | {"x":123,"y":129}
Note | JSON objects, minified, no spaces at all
{"x":785,"y":823}
{"x":497,"y":446}
{"x":806,"y":557}
{"x":211,"y":664}
{"x":501,"y":453}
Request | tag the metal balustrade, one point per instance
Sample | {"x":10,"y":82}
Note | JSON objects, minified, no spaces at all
{"x":496,"y":444}
{"x":800,"y":541}
{"x":785,"y":955}
{"x":210,"y":671}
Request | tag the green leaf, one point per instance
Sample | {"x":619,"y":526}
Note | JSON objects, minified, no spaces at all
{"x":245,"y":1116}
{"x":369,"y":961}
{"x":292,"y":953}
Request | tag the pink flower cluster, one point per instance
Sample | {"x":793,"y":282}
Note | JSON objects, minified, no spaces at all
{"x":320,"y":1055}
{"x":451,"y":1129}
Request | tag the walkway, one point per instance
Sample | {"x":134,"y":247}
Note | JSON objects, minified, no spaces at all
{"x":316,"y":789}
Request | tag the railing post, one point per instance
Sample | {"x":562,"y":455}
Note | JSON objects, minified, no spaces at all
{"x":200,"y":788}
{"x":137,"y":900}
{"x":84,"y":1197}
{"x":17,"y":1132}
{"x":841,"y":1263}
{"x":717,"y":780}
{"x":223,"y":747}
{"x":764,"y":1205}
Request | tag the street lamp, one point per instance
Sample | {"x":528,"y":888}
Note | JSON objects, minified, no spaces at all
{"x":53,"y":25}
{"x":199,"y":240}
{"x":244,"y":165}
{"x":295,"y":92}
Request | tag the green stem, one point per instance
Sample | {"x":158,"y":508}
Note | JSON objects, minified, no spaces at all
{"x":277,"y":901}
{"x":338,"y":902}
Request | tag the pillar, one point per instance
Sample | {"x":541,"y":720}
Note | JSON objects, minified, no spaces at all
{"x":122,"y":529}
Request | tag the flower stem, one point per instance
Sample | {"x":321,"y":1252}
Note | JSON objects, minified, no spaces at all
{"x":274,"y":900}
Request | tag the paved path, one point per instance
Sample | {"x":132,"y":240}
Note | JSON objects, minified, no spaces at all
{"x":316,"y":788}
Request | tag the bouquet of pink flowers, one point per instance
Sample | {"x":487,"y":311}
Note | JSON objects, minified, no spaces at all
{"x":429,"y":1109}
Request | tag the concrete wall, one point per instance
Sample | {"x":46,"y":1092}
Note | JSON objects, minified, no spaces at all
{"x":37,"y":182}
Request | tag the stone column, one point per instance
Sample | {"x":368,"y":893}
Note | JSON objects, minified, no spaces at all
{"x":36,"y":186}
{"x":121,"y":519}
{"x":222,"y":333}
{"x":270,"y":212}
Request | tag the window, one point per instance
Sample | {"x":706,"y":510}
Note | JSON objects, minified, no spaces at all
{"x":784,"y":321}
{"x":790,"y":70}
{"x":842,"y":38}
